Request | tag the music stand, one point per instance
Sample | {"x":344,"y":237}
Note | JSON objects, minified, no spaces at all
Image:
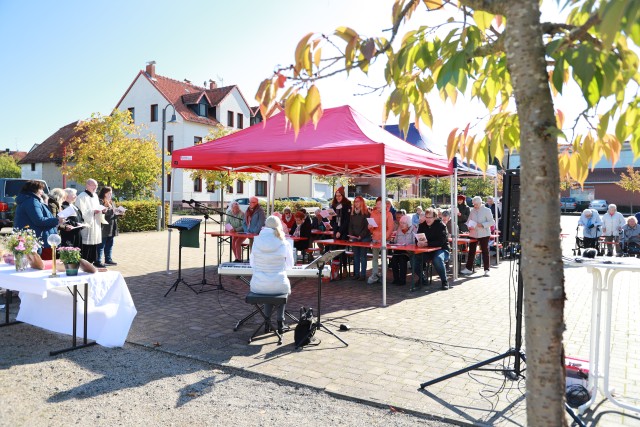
{"x":189,"y":238}
{"x":319,"y":263}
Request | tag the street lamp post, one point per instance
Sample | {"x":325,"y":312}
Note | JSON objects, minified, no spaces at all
{"x":164,"y":126}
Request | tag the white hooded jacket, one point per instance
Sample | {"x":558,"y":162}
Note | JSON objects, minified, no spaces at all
{"x":270,"y":258}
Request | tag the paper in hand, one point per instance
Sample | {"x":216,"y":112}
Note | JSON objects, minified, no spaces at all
{"x":324,"y":213}
{"x":420,"y":237}
{"x":228,"y":227}
{"x":471,"y":223}
{"x":120,"y":210}
{"x":372,"y":222}
{"x":67,"y":212}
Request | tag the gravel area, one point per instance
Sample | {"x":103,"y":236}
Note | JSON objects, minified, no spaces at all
{"x":134,"y":385}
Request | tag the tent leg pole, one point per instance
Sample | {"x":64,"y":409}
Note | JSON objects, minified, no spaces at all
{"x":383,"y":251}
{"x":169,"y":229}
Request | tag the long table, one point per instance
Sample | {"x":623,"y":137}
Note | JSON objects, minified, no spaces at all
{"x":413,"y":249}
{"x":604,"y":273}
{"x":52,"y":303}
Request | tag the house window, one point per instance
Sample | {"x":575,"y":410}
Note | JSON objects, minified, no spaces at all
{"x":261,"y":188}
{"x":230,"y":189}
{"x":202,"y":110}
{"x":170,"y":144}
{"x":197,"y":185}
{"x":33,"y":167}
{"x":197,"y":140}
{"x":240,"y":120}
{"x":132,"y":113}
{"x":239,"y":187}
{"x":230,"y":119}
{"x":154,"y":112}
{"x":212,"y":113}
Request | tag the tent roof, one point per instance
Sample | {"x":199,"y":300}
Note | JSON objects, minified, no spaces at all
{"x":344,"y":143}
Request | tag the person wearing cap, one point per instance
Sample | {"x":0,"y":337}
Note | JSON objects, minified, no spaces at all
{"x":462,"y":210}
{"x":612,"y":223}
{"x":270,"y":258}
{"x":480,"y":222}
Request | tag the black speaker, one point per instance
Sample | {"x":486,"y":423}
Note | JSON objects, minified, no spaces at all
{"x":511,"y":206}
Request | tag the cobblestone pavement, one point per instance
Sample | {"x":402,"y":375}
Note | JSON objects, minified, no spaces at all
{"x":417,"y":337}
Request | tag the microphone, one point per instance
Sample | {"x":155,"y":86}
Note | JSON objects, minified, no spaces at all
{"x":188,"y":202}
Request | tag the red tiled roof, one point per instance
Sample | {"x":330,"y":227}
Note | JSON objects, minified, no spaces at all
{"x":602,"y":175}
{"x":51,"y":150}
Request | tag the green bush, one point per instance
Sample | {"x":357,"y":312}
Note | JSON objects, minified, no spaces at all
{"x":410,"y":205}
{"x":140,"y":216}
{"x":310,"y":207}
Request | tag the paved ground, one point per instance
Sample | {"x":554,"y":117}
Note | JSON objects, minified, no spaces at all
{"x":417,"y":337}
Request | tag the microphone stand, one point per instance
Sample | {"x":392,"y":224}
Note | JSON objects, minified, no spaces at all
{"x":204,"y":210}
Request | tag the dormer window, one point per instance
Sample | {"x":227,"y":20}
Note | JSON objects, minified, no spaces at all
{"x":201,"y":110}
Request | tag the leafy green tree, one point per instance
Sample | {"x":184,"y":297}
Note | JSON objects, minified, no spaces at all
{"x":476,"y":186}
{"x":334,"y":181}
{"x":8,"y":167}
{"x":396,"y":185}
{"x":112,"y":150}
{"x":500,"y":54}
{"x":630,"y":182}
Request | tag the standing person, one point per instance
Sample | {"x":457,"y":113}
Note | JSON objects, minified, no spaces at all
{"x":109,"y":227}
{"x":88,"y":203}
{"x":491,"y":205}
{"x":612,"y":223}
{"x":235,"y":220}
{"x":591,"y":223}
{"x":270,"y":258}
{"x":69,"y":231}
{"x":56,"y":197}
{"x":462,"y":210}
{"x":479,"y":223}
{"x":376,"y":236}
{"x":436,"y":234}
{"x":340,"y":222}
{"x":32,"y":213}
{"x":359,"y":232}
{"x":254,"y":217}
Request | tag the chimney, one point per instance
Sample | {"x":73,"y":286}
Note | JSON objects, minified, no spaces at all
{"x":151,"y":69}
{"x":187,"y":81}
{"x":213,"y":85}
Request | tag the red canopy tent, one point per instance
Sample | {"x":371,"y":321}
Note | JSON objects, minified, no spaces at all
{"x":343,"y":143}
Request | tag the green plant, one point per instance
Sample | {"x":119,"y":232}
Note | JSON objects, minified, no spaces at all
{"x":140,"y":216}
{"x":69,"y":254}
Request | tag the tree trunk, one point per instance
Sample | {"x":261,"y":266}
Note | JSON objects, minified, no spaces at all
{"x":542,"y":269}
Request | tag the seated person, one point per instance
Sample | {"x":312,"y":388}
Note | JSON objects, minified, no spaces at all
{"x":320,"y":223}
{"x":270,"y":258}
{"x":591,"y":223}
{"x":301,"y":228}
{"x":416,"y":217}
{"x":234,"y":218}
{"x":436,"y":233}
{"x":630,"y":239}
{"x":399,"y":214}
{"x":287,"y":218}
{"x":403,"y":236}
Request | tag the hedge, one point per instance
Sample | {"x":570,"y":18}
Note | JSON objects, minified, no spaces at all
{"x":410,"y":205}
{"x":140,"y":216}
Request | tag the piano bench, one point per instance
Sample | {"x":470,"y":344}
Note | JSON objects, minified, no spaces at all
{"x":258,"y":300}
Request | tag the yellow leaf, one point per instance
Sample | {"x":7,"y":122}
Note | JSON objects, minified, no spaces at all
{"x":483,"y":19}
{"x":451,"y":144}
{"x":433,"y":4}
{"x":345,"y":33}
{"x":296,"y":113}
{"x":317,"y":56}
{"x":313,"y":105}
{"x":560,"y":119}
{"x":300,"y":49}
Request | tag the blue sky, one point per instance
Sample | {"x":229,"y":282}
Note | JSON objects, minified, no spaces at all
{"x":64,"y":60}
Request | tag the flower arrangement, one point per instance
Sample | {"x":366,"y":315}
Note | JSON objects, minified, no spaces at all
{"x":22,"y":241}
{"x":69,"y":255}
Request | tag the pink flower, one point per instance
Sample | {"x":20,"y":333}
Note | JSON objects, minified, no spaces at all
{"x":20,"y":246}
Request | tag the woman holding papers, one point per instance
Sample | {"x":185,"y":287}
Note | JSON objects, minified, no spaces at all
{"x":73,"y":221}
{"x":375,"y":226}
{"x":479,"y":223}
{"x":359,"y":232}
{"x":109,"y":226}
{"x":32,"y":213}
{"x":340,"y":216}
{"x":433,"y":233}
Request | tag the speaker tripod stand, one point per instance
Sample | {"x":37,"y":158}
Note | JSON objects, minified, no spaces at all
{"x":517,"y":372}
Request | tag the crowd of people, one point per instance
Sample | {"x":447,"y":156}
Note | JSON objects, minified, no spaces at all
{"x":91,"y":225}
{"x":619,"y":233}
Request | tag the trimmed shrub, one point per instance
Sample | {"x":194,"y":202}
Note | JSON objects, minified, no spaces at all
{"x":140,"y":216}
{"x":410,"y":205}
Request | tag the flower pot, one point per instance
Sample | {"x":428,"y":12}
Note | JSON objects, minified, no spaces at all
{"x":71,"y":269}
{"x":21,"y":261}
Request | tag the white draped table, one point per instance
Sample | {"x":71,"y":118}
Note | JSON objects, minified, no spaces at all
{"x":48,"y":303}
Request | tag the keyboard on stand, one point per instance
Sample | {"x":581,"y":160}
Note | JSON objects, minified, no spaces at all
{"x":244,"y":269}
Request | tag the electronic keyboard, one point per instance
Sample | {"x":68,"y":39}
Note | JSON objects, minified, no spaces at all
{"x":244,"y":269}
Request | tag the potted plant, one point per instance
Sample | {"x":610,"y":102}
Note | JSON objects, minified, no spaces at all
{"x":21,"y":242}
{"x":70,"y":257}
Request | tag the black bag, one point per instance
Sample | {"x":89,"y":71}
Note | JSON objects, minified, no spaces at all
{"x":305,"y":328}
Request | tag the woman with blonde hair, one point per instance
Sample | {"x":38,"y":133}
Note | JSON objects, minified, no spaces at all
{"x":359,"y":232}
{"x":271,"y":256}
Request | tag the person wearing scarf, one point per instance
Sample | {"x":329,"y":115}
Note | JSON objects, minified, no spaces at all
{"x":254,"y":217}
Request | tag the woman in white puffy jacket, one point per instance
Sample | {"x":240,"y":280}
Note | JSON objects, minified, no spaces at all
{"x":271,"y":256}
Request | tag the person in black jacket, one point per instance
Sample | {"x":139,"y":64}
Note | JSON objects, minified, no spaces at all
{"x":436,"y":233}
{"x":463,"y":214}
{"x":359,"y":232}
{"x":301,"y":228}
{"x":340,"y":222}
{"x":69,"y":230}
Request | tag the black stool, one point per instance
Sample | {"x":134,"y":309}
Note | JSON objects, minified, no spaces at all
{"x":258,"y":300}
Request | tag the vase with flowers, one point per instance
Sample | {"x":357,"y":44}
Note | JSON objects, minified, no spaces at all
{"x":22,"y":242}
{"x":70,"y":257}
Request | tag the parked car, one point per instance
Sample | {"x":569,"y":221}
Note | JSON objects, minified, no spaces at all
{"x":9,"y":189}
{"x":291,"y":199}
{"x":568,"y":204}
{"x":243,"y":202}
{"x":600,"y":205}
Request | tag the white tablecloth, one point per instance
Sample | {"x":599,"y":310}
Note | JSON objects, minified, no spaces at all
{"x":47,"y":303}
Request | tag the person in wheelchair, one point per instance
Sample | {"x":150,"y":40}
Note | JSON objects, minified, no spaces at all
{"x":591,"y":222}
{"x":630,"y":240}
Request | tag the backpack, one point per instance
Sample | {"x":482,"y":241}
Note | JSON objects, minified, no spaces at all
{"x":305,"y":329}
